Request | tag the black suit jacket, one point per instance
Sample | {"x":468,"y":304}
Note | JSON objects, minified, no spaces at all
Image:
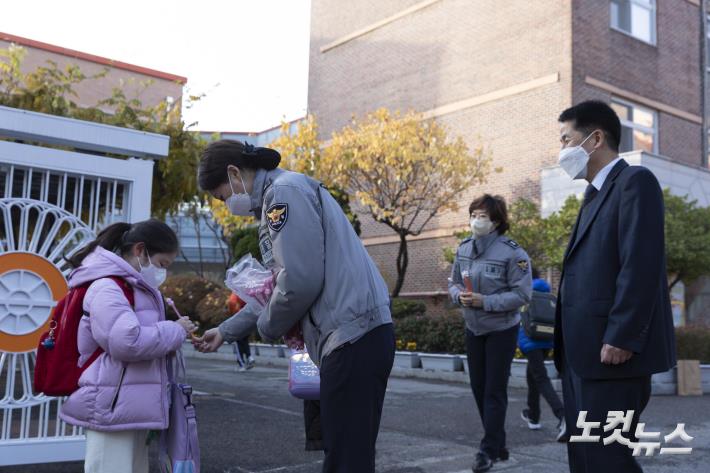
{"x":614,"y":287}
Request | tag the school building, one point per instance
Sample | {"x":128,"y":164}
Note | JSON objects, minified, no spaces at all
{"x":498,"y":74}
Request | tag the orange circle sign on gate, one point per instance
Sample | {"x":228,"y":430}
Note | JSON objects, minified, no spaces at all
{"x":30,"y":287}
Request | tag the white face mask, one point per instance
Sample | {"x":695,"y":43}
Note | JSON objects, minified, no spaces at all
{"x":575,"y":160}
{"x":152,"y":274}
{"x":481,"y":226}
{"x":239,"y":204}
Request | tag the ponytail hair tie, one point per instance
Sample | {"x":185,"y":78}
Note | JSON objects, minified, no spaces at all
{"x":250,"y":150}
{"x":264,"y":158}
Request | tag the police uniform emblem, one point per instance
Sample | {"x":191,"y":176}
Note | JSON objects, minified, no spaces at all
{"x":523,"y":265}
{"x":276,"y":216}
{"x":511,"y":243}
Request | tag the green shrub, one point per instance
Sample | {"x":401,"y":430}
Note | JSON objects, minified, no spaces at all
{"x":693,"y":343}
{"x":403,"y":308}
{"x":213,"y":309}
{"x":433,"y":333}
{"x":246,"y":241}
{"x":187,"y":290}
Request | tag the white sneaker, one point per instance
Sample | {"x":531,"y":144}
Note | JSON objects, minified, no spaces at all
{"x":250,"y":363}
{"x":525,"y":415}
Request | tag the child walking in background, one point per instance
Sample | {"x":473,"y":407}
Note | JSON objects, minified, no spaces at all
{"x":538,"y":382}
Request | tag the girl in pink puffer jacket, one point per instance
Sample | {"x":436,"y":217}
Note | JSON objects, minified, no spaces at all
{"x":123,"y":394}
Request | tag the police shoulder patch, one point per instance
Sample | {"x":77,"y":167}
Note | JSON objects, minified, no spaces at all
{"x":523,"y":265}
{"x":276,"y":216}
{"x":511,"y":243}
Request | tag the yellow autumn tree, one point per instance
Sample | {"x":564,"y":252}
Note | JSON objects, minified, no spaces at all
{"x":404,"y":171}
{"x":302,"y":151}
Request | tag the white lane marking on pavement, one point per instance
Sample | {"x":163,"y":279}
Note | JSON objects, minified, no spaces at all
{"x":240,"y":469}
{"x":268,"y":408}
{"x":289,"y":467}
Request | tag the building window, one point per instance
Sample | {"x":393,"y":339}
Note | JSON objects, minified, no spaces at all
{"x":639,"y":127}
{"x":635,"y":17}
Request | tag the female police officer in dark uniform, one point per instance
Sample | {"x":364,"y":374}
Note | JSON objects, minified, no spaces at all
{"x":498,"y":273}
{"x":326,"y":282}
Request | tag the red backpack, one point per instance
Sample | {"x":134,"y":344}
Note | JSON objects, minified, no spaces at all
{"x":57,"y":368}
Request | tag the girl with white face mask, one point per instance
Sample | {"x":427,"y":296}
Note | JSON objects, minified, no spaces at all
{"x":490,"y":281}
{"x":125,"y":331}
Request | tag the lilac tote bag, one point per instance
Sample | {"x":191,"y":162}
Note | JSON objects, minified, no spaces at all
{"x":179,"y":446}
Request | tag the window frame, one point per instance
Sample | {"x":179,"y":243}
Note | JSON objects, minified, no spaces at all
{"x":654,"y":22}
{"x":635,"y":126}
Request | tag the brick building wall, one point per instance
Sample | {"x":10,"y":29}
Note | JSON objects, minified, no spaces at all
{"x":668,"y":72}
{"x":90,"y":92}
{"x":518,"y":64}
{"x":511,"y":59}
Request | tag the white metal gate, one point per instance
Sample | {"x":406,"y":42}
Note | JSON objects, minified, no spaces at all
{"x":52,"y":202}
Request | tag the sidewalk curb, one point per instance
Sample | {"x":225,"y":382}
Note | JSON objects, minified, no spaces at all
{"x":662,"y":383}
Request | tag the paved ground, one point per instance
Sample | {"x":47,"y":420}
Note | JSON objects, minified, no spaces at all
{"x":250,"y":424}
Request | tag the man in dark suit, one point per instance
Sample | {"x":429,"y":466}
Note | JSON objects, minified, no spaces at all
{"x":614,"y":322}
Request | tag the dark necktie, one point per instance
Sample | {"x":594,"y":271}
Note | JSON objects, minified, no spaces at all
{"x":589,"y":194}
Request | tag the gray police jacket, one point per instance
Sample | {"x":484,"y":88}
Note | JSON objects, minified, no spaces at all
{"x":499,"y":270}
{"x":326,"y":279}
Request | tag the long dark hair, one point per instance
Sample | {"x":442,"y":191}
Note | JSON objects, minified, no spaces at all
{"x":212,"y":172}
{"x":120,"y":237}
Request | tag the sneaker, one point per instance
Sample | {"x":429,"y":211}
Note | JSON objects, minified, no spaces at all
{"x":504,"y":455}
{"x":562,"y":435}
{"x":532,"y":425}
{"x":250,"y":363}
{"x":242,"y":369}
{"x":483,"y":463}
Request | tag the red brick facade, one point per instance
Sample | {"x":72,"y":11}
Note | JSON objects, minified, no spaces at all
{"x":518,"y":63}
{"x":668,"y":72}
{"x":90,"y":92}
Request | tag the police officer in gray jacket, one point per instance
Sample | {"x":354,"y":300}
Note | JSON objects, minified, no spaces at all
{"x":491,"y":280}
{"x":326,"y":282}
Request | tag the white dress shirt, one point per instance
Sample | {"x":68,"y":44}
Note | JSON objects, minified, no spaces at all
{"x":601,"y":176}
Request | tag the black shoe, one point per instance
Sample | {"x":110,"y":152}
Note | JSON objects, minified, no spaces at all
{"x":483,"y":463}
{"x":503,"y":456}
{"x":563,"y":434}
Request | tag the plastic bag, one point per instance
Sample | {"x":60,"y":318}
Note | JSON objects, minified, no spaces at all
{"x":303,"y":377}
{"x":254,"y":284}
{"x":249,"y":280}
